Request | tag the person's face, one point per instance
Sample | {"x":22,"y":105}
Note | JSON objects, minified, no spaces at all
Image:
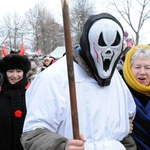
{"x":47,"y":62}
{"x":14,"y":75}
{"x":141,"y":70}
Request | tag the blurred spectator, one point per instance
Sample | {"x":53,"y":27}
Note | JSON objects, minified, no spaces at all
{"x":39,"y":68}
{"x":48,"y":60}
{"x":36,"y":59}
{"x":32,"y":72}
{"x":128,"y":39}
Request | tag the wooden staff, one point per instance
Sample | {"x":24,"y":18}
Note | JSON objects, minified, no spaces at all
{"x":69,"y":57}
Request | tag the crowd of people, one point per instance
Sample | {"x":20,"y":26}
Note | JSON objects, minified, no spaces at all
{"x":38,"y":65}
{"x":113,"y":104}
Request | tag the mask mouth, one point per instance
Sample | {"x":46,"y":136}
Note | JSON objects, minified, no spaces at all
{"x":106,"y":62}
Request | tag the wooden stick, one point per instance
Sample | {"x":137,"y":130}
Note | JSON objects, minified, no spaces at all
{"x":69,"y":57}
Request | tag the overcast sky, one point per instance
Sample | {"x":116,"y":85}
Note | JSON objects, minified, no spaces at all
{"x":21,"y":6}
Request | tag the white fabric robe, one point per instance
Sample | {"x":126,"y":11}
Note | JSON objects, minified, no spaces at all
{"x":103,"y":112}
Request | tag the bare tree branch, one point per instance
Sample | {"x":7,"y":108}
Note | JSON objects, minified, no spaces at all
{"x":134,"y":12}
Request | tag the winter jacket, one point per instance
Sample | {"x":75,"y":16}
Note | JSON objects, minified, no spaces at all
{"x":12,"y":114}
{"x":42,"y":136}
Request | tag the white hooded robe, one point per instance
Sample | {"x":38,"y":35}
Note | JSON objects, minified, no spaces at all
{"x":103,"y":112}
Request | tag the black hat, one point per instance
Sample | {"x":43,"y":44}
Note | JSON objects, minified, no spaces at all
{"x":14,"y":60}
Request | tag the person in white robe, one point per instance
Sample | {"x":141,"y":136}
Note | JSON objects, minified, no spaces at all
{"x":104,"y":102}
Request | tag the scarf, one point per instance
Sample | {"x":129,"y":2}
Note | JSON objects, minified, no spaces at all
{"x":13,"y":111}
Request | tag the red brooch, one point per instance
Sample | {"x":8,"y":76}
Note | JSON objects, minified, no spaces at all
{"x":18,"y":113}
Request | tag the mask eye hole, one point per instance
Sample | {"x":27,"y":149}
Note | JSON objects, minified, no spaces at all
{"x":117,"y":40}
{"x":101,"y":40}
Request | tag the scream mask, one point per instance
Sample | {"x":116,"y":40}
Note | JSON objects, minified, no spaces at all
{"x":101,"y":46}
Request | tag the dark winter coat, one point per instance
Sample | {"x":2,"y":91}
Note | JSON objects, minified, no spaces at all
{"x":12,"y":114}
{"x":141,"y":130}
